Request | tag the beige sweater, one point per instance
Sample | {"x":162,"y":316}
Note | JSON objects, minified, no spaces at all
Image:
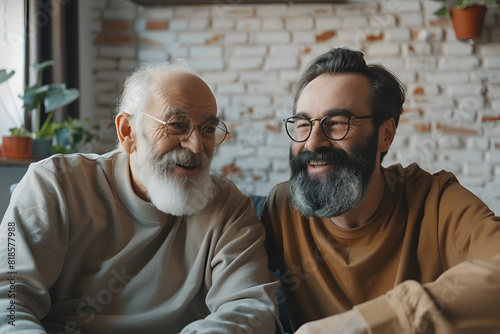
{"x":427,"y":262}
{"x":90,"y":254}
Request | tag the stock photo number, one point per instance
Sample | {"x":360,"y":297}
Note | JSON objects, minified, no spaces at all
{"x":11,"y":264}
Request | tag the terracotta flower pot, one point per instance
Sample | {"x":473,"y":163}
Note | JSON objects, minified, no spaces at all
{"x":17,"y":147}
{"x":468,"y":22}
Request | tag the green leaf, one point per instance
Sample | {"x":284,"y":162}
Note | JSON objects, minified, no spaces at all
{"x":4,"y":76}
{"x":461,"y":4}
{"x":58,"y":96}
{"x":442,"y":12}
{"x":33,"y":96}
{"x":44,"y":64}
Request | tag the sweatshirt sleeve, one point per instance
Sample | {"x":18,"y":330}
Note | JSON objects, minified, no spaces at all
{"x":465,"y":298}
{"x":32,"y":249}
{"x":242,"y":292}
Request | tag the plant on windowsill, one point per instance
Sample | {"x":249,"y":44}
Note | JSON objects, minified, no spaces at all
{"x":467,"y":16}
{"x":70,"y":133}
{"x":47,"y":98}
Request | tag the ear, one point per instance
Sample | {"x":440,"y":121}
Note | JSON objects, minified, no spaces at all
{"x":125,"y":134}
{"x":386,"y":134}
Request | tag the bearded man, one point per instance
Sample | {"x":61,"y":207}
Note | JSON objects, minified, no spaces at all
{"x":367,"y":249}
{"x":141,"y":239}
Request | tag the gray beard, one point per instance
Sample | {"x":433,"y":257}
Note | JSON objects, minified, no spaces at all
{"x":341,"y":188}
{"x":168,"y":192}
{"x":337,"y":193}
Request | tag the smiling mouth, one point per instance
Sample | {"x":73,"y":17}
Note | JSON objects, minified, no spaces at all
{"x":187,"y":166}
{"x":318,"y":163}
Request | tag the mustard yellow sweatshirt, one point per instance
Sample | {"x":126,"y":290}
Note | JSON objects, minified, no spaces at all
{"x":427,"y":262}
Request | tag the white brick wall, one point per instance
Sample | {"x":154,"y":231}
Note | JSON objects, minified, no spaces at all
{"x":251,"y":55}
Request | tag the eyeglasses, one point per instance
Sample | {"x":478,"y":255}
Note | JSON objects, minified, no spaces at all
{"x":179,"y":127}
{"x":334,"y":127}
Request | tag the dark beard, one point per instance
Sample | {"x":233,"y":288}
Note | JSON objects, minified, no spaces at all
{"x":341,"y":188}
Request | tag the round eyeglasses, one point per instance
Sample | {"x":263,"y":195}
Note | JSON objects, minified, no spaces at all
{"x":179,"y":127}
{"x":334,"y":127}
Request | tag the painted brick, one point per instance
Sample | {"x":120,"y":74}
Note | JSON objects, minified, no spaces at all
{"x":299,"y":23}
{"x":271,"y":37}
{"x":236,"y":38}
{"x":113,"y":76}
{"x":272,"y":10}
{"x":116,"y":25}
{"x":178,"y":24}
{"x":248,"y":24}
{"x":328,"y":23}
{"x":425,"y":90}
{"x":247,"y":51}
{"x":278,"y":177}
{"x":368,"y":8}
{"x":492,"y":62}
{"x":113,"y":39}
{"x":245,"y":63}
{"x":206,"y":64}
{"x":458,"y":90}
{"x":117,"y":51}
{"x":155,"y":38}
{"x":436,"y":102}
{"x":272,"y":24}
{"x":416,"y":49}
{"x":151,"y":54}
{"x":220,"y":77}
{"x":193,"y":11}
{"x":234,"y":88}
{"x":223,"y":10}
{"x":354,"y":22}
{"x":206,"y":52}
{"x":281,"y":63}
{"x":382,"y":21}
{"x":462,"y":155}
{"x":251,"y":100}
{"x":392,"y":63}
{"x":495,"y":105}
{"x":259,"y":76}
{"x":382,"y":49}
{"x":273,"y":88}
{"x":478,"y":143}
{"x":157,"y":13}
{"x":457,"y":49}
{"x":458,"y":63}
{"x":412,"y":20}
{"x":290,"y":75}
{"x":284,"y":50}
{"x":407,"y":76}
{"x":398,"y":34}
{"x":106,"y":99}
{"x":102,"y":87}
{"x":223,"y":24}
{"x":199,"y":24}
{"x":399,"y":7}
{"x":446,"y":77}
{"x":194,"y":37}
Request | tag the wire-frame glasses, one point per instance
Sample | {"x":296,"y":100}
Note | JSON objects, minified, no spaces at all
{"x":179,"y":127}
{"x":334,"y":127}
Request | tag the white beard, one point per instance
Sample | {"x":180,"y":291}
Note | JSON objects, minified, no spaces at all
{"x":168,"y":192}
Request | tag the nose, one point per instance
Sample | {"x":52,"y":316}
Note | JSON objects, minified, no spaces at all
{"x":317,"y":138}
{"x":194,"y":142}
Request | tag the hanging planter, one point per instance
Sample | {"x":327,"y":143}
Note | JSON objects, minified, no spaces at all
{"x":468,"y":22}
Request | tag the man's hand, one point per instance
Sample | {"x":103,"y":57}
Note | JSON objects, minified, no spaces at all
{"x":350,"y":322}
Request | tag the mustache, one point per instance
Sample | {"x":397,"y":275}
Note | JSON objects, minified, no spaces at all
{"x":334,"y":156}
{"x":181,"y":156}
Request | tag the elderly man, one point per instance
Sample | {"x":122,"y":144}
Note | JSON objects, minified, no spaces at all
{"x":141,"y":239}
{"x":367,"y":249}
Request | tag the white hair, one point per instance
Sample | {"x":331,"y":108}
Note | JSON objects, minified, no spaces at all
{"x":142,"y":85}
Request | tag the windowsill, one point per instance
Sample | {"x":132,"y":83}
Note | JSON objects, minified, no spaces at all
{"x":16,"y":162}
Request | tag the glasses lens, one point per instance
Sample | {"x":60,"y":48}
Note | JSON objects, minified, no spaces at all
{"x":336,"y":126}
{"x":298,"y":128}
{"x":214,"y":132}
{"x":179,"y":127}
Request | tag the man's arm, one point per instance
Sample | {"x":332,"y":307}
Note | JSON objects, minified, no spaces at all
{"x":242,"y":292}
{"x":31,"y":252}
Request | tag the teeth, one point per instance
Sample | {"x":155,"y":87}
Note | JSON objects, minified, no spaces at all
{"x":317,"y":163}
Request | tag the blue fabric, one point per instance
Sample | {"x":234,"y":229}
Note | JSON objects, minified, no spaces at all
{"x":258,"y":204}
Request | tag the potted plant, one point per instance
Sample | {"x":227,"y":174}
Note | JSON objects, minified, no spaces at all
{"x":70,"y":133}
{"x":47,"y":98}
{"x":19,"y":144}
{"x":467,"y":16}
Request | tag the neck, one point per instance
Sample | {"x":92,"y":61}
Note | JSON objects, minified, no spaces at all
{"x":361,"y":213}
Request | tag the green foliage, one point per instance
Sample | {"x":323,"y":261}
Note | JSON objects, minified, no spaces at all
{"x":70,"y":133}
{"x":461,"y":4}
{"x":4,"y":76}
{"x":20,"y":132}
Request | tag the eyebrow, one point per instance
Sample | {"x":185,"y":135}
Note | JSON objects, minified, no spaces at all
{"x":331,"y":112}
{"x":171,"y":111}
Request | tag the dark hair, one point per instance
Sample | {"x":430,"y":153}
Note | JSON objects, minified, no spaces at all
{"x":388,"y":94}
